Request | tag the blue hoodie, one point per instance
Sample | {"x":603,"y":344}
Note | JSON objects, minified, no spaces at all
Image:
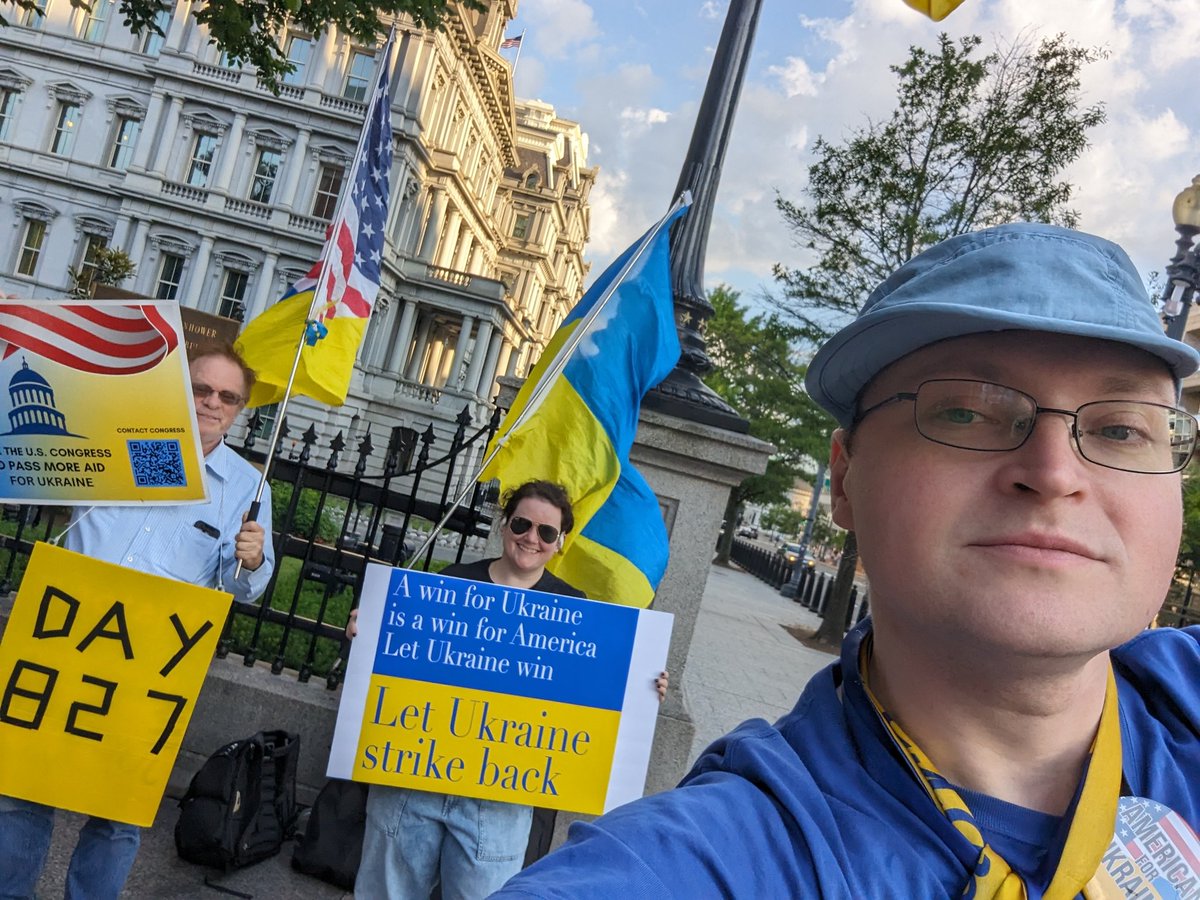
{"x":820,"y":805}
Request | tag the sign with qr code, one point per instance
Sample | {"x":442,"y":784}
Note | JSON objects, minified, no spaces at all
{"x":100,"y":667}
{"x":98,"y":408}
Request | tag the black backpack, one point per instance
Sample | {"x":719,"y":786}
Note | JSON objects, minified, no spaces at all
{"x":241,"y":805}
{"x":333,"y":839}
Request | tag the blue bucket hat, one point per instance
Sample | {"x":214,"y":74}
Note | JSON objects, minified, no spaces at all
{"x":1023,"y":276}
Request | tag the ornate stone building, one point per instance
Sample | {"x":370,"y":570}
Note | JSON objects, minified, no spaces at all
{"x":220,"y":190}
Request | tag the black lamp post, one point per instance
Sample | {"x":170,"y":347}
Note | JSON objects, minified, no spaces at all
{"x":1183,"y":271}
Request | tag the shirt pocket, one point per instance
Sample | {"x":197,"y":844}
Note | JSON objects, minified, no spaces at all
{"x":189,"y":554}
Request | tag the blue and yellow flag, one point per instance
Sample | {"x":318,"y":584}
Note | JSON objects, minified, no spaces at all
{"x":575,"y":418}
{"x":345,"y":279}
{"x":935,"y":9}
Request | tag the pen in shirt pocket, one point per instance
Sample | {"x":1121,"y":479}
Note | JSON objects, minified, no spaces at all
{"x":210,"y":530}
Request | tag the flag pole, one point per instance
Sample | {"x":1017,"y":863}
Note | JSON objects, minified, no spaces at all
{"x":319,"y":291}
{"x":556,"y":366}
{"x":517,"y":58}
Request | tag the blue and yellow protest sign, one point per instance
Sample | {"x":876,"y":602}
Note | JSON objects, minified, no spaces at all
{"x":100,"y":667}
{"x":96,"y":404}
{"x":483,"y":690}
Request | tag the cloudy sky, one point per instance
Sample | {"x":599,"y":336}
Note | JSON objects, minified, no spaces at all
{"x":632,"y":73}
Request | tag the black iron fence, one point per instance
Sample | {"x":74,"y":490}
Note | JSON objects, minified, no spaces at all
{"x":1182,"y":607}
{"x":806,"y":586}
{"x":333,"y":511}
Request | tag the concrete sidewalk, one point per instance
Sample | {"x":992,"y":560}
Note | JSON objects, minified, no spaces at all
{"x":742,"y":665}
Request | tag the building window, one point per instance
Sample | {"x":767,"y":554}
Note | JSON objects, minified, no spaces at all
{"x":233,"y":295}
{"x":202,"y":157}
{"x":298,"y":49}
{"x":8,"y":111}
{"x":124,"y":137}
{"x":94,"y":20}
{"x":32,"y":17}
{"x":170,"y":274}
{"x":152,"y":41}
{"x":87,"y":263}
{"x":358,"y":75}
{"x":64,"y":130}
{"x":31,"y":246}
{"x":328,"y":189}
{"x":520,"y":228}
{"x":265,"y":173}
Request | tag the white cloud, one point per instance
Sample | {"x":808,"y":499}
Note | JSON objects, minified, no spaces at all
{"x":710,"y":10}
{"x":829,"y":74}
{"x":562,"y":25}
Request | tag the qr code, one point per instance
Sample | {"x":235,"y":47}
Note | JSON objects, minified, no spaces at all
{"x":157,"y":463}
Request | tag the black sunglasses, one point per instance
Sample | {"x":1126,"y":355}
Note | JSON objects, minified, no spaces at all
{"x":547,"y":533}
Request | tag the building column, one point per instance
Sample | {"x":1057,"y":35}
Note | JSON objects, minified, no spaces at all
{"x":488,"y":378}
{"x":146,"y":134}
{"x":399,"y":352}
{"x":136,"y":248}
{"x":179,"y":20}
{"x":199,"y":272}
{"x":433,"y":364}
{"x":121,"y":231}
{"x":319,"y":62}
{"x":466,"y":241}
{"x":433,"y":226}
{"x":264,"y":288}
{"x":195,"y":41}
{"x":475,"y":266}
{"x":506,"y":355}
{"x":457,"y":371}
{"x":445,"y":253}
{"x":414,"y":364}
{"x":479,"y":355}
{"x":230,"y":150}
{"x":295,"y":165}
{"x":161,"y":157}
{"x":447,"y":364}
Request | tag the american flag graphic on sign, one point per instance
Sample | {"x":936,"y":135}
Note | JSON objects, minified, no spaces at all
{"x":99,"y":339}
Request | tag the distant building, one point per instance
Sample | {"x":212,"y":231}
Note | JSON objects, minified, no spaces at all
{"x":220,"y":191}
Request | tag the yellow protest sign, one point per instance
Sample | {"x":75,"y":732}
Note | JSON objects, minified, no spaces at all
{"x":100,"y":667}
{"x":935,"y":9}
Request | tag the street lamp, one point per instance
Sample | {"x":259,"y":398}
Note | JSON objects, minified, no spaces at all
{"x":1183,"y":271}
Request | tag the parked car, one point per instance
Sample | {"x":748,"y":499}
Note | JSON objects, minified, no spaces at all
{"x":748,"y":531}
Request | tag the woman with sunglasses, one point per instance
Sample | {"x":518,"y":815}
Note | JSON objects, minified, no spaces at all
{"x":415,"y":839}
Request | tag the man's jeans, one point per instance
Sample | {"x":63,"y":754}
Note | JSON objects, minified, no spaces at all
{"x":99,"y":866}
{"x":414,"y":838}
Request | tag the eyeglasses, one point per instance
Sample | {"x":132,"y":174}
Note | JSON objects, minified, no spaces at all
{"x":228,"y":398}
{"x":1130,"y":435}
{"x":548,"y":534}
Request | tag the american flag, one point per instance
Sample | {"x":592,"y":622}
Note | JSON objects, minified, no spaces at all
{"x":354,"y":249}
{"x":509,"y":43}
{"x":99,"y":338}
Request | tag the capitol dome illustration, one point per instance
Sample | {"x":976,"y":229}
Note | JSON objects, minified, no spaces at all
{"x":33,"y":410}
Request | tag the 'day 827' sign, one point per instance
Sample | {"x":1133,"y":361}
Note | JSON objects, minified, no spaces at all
{"x":100,"y":667}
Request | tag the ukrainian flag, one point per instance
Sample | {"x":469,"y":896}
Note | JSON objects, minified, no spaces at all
{"x":576,"y":427}
{"x":935,"y":9}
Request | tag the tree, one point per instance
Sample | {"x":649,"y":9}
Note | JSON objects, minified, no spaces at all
{"x":972,"y":142}
{"x":758,"y":373}
{"x":247,"y":30}
{"x":108,"y":265}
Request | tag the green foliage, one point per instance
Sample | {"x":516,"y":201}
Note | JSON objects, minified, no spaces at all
{"x":972,"y":142}
{"x":782,"y":518}
{"x":248,"y":30}
{"x":302,"y":521}
{"x":759,"y":373}
{"x":111,"y":266}
{"x":1189,"y":544}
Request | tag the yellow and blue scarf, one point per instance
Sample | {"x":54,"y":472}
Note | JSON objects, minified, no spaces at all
{"x":1080,"y":868}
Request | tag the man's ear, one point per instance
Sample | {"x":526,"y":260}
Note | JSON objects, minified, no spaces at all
{"x":560,"y":542}
{"x":839,"y":479}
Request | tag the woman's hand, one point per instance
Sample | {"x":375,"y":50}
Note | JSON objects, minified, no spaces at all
{"x":661,"y":683}
{"x":352,"y":625}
